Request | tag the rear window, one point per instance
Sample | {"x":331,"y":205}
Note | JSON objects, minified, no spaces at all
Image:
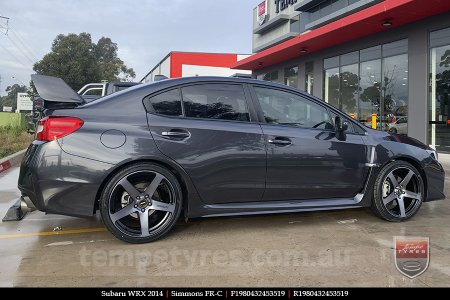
{"x":167,"y":103}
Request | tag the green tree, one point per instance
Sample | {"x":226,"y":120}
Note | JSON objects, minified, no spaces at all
{"x":111,"y":67}
{"x":11,"y":98}
{"x":78,"y":61}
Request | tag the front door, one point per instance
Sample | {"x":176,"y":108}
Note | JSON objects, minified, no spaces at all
{"x":305,"y":159}
{"x":210,"y":133}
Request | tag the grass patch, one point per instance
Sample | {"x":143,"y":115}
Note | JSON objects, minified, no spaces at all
{"x":13,"y":139}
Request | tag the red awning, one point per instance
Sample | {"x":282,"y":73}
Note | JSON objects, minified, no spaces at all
{"x":362,"y":23}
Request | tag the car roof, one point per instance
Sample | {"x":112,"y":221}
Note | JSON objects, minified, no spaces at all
{"x":166,"y":83}
{"x":124,"y":83}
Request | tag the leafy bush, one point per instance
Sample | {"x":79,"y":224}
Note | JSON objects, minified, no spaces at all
{"x":13,"y":139}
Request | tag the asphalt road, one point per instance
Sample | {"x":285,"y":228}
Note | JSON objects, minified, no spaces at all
{"x":337,"y":248}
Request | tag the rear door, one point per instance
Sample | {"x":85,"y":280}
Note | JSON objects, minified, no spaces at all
{"x":208,"y":129}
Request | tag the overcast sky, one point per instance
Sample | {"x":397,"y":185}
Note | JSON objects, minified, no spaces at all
{"x":145,"y":30}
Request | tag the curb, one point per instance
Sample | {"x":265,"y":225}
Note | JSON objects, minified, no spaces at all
{"x":12,"y":160}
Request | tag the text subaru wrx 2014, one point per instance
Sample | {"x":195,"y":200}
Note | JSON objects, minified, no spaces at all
{"x":212,"y":146}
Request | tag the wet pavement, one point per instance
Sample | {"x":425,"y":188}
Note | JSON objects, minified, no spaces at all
{"x":337,"y":248}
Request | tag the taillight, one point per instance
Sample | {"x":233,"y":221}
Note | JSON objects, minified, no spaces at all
{"x":55,"y":127}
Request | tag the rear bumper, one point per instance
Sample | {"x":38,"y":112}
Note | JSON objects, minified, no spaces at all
{"x":60,"y":183}
{"x":435,"y":176}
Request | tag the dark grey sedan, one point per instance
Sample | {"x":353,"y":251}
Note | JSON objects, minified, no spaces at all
{"x":211,"y":146}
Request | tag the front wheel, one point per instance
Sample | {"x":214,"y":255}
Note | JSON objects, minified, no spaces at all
{"x":141,"y":203}
{"x":398,"y":192}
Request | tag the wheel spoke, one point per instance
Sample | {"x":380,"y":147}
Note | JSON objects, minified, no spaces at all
{"x":407,"y":179}
{"x":413,"y":195}
{"x":394,"y":181}
{"x":401,"y":205}
{"x":161,"y":206}
{"x":151,"y":189}
{"x":126,"y":211}
{"x":143,"y":216}
{"x":389,"y":198}
{"x":129,"y":188}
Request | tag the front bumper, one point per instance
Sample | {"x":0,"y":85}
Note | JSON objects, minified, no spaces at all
{"x":60,"y":183}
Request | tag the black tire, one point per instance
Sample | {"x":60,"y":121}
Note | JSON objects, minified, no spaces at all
{"x":161,"y":209}
{"x":388,"y":198}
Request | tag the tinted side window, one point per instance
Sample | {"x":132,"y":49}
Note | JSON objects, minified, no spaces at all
{"x":93,"y":92}
{"x":215,"y":101}
{"x":285,"y":108}
{"x":167,"y":103}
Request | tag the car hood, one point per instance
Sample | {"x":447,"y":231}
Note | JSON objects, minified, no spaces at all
{"x":399,"y":138}
{"x":406,"y":140}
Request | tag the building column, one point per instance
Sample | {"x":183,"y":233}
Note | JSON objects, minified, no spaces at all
{"x":418,"y":85}
{"x":301,"y":75}
{"x":318,"y":78}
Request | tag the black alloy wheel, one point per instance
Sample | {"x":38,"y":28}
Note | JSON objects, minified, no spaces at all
{"x":141,"y":203}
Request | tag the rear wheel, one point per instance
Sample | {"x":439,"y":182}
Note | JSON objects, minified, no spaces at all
{"x":141,"y":203}
{"x":398,"y":192}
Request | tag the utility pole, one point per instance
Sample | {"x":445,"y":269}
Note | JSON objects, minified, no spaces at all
{"x":4,"y":24}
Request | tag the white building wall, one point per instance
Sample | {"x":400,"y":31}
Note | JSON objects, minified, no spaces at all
{"x":191,"y":70}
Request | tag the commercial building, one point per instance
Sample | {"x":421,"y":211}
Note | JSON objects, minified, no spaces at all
{"x":185,"y":64}
{"x":386,"y":58}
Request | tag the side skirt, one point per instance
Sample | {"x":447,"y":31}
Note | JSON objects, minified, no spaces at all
{"x":272,"y":207}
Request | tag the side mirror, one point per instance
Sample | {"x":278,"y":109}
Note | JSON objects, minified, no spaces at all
{"x":341,"y":126}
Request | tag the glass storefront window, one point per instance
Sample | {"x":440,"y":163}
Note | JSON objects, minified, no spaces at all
{"x":395,"y":92}
{"x":370,"y":53}
{"x":331,"y":86}
{"x":349,"y":58}
{"x":370,"y":90}
{"x":349,"y":89}
{"x":271,"y":76}
{"x":331,"y":62}
{"x":394,"y":48}
{"x":291,"y":76}
{"x":439,"y":104}
{"x":309,"y":77}
{"x":372,"y":81}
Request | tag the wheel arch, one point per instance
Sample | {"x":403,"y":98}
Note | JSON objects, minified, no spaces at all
{"x":416,"y":164}
{"x":181,"y":176}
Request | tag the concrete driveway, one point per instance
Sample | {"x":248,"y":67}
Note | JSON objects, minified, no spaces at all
{"x":337,"y":248}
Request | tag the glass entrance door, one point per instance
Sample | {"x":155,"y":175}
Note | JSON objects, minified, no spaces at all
{"x":384,"y":93}
{"x":439,"y":105}
{"x":394,"y":109}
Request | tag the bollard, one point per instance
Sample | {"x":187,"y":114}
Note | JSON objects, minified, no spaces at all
{"x":374,"y":121}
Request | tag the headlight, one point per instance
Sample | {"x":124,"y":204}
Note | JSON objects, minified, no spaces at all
{"x":433,"y":153}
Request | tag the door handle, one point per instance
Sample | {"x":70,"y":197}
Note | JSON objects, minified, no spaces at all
{"x":280,"y":141}
{"x":176,"y":134}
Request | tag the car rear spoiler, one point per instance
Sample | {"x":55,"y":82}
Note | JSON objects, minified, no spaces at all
{"x":56,"y":90}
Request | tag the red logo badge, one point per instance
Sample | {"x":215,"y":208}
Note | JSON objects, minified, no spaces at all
{"x":412,"y":255}
{"x":262,"y":12}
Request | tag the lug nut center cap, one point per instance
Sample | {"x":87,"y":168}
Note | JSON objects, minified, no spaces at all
{"x":399,"y":191}
{"x":144,"y":203}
